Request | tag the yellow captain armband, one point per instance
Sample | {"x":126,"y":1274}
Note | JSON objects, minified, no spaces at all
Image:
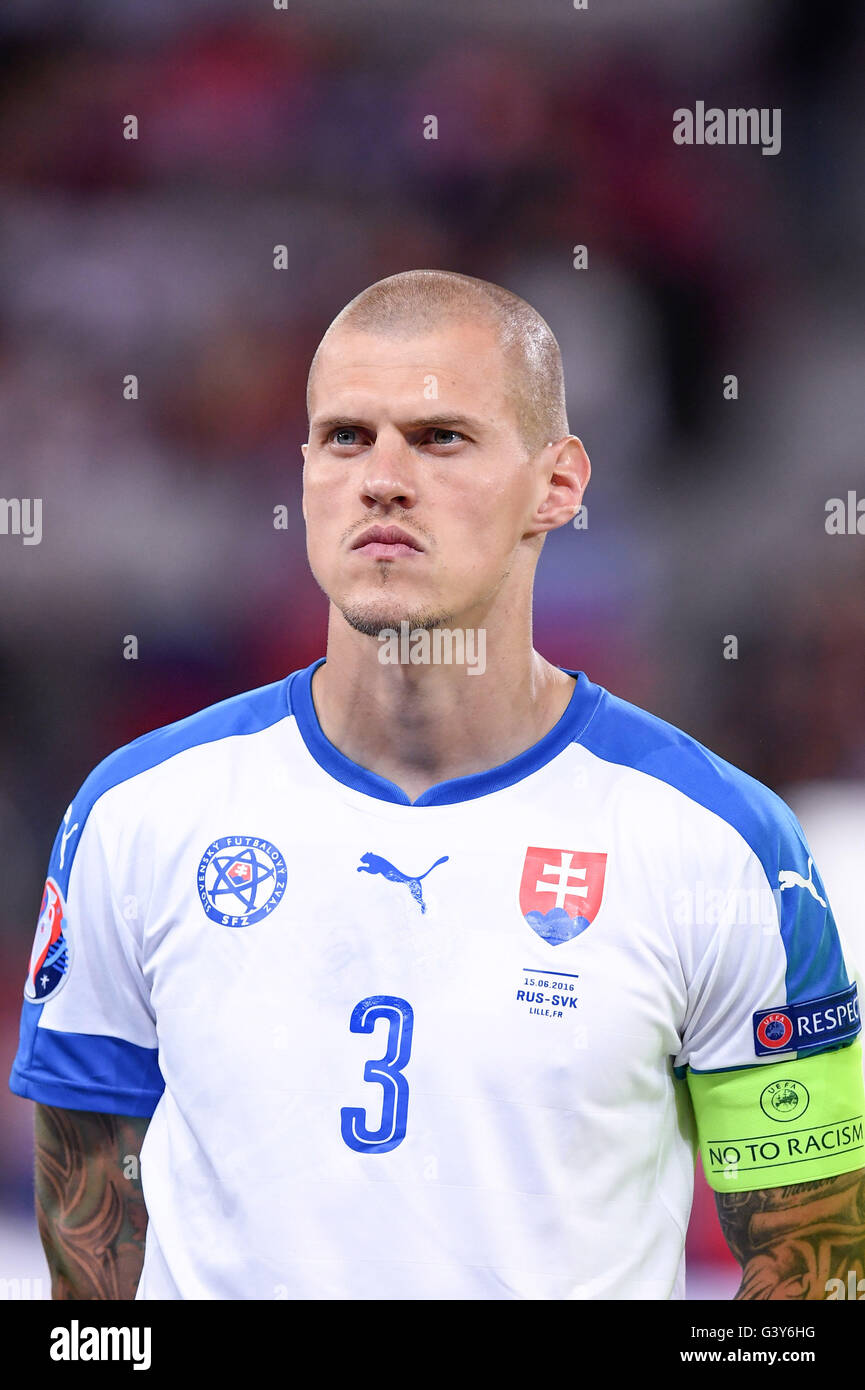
{"x":781,"y":1123}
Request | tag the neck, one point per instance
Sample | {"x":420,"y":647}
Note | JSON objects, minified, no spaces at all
{"x":421,"y":724}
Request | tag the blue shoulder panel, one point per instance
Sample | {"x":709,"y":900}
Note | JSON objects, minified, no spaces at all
{"x":93,"y":1072}
{"x":622,"y":733}
{"x":247,"y":713}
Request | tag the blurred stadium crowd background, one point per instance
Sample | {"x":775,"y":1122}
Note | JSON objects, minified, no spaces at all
{"x":304,"y":128}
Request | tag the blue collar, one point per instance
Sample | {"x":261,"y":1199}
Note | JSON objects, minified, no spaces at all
{"x":569,"y":728}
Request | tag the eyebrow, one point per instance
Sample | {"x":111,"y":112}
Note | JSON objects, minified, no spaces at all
{"x":429,"y":422}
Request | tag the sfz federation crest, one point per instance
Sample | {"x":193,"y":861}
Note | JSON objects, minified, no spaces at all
{"x":241,"y":879}
{"x":561,"y":891}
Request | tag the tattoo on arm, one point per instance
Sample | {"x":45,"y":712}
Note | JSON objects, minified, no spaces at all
{"x":89,"y":1203}
{"x":790,"y":1241}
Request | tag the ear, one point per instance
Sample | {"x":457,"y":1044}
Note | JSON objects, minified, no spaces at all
{"x":303,"y":449}
{"x":564,"y":472}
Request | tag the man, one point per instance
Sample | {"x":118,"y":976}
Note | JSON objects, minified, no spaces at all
{"x":428,"y":977}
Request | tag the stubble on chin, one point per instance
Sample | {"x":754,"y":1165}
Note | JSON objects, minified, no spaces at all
{"x":372,"y":615}
{"x":372,"y":619}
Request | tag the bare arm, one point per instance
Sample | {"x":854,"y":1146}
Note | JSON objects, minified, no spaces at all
{"x":790,"y":1241}
{"x":89,"y":1204}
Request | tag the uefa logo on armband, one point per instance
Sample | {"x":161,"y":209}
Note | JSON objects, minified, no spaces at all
{"x":785,"y":1100}
{"x":241,"y":879}
{"x":51,"y":954}
{"x":774,"y":1031}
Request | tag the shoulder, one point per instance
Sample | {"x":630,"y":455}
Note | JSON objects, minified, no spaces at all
{"x":736,"y":837}
{"x":244,"y":714}
{"x":621,"y":733}
{"x":162,"y":750}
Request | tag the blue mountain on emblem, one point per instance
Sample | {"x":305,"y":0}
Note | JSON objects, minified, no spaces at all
{"x":556,"y":926}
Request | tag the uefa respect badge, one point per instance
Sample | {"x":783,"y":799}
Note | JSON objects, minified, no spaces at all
{"x":833,"y":1018}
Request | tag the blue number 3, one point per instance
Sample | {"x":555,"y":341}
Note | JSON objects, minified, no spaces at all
{"x":387,"y":1071}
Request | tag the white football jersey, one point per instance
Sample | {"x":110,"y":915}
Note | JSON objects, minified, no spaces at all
{"x":439,"y":1050}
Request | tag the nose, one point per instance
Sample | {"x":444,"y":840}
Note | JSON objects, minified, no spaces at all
{"x":388,"y":477}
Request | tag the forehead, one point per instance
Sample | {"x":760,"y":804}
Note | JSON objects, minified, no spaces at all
{"x":460,"y":364}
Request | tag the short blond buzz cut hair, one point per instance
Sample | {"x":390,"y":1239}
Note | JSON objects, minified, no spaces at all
{"x":414,"y":300}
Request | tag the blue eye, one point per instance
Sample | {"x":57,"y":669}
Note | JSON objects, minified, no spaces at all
{"x":338,"y":435}
{"x":453,"y":433}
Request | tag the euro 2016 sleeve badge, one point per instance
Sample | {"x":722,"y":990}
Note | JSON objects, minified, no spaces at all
{"x":561,"y":891}
{"x":51,"y":954}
